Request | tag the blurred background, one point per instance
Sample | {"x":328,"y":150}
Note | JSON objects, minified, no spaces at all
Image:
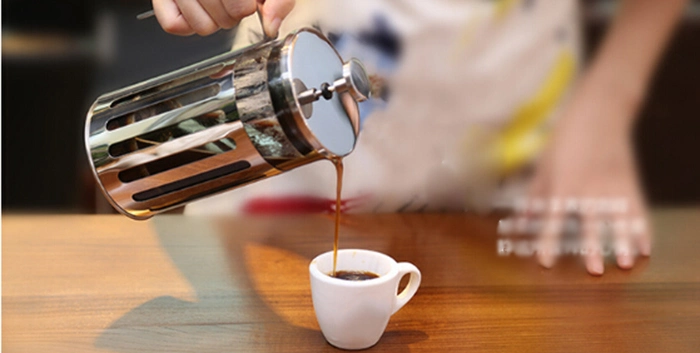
{"x":58,"y":56}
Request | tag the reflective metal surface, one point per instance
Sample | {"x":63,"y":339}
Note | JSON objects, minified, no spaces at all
{"x":333,"y":127}
{"x":222,"y":123}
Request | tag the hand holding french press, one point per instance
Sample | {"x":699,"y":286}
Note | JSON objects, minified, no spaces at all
{"x":205,"y":17}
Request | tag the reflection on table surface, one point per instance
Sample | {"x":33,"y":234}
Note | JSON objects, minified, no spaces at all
{"x":184,"y":284}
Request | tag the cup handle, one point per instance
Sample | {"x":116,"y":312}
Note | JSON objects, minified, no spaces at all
{"x":407,"y":293}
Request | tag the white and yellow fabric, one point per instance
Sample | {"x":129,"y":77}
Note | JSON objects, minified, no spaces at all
{"x":474,"y":89}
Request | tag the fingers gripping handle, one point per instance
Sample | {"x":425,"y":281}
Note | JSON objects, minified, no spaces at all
{"x":407,"y":293}
{"x":260,"y":3}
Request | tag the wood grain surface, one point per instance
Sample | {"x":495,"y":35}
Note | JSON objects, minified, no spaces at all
{"x":182,"y":284}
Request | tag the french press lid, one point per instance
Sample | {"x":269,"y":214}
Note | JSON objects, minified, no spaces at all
{"x":323,"y":93}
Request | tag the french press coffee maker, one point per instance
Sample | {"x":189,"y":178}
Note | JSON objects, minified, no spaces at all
{"x":224,"y":122}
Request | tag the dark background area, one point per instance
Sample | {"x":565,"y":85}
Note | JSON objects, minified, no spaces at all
{"x":668,"y":130}
{"x":667,"y":135}
{"x":58,"y":56}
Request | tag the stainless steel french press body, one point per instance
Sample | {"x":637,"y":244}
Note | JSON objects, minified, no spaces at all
{"x":224,"y":122}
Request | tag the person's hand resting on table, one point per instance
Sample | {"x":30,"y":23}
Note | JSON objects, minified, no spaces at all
{"x":204,"y":17}
{"x":589,"y":169}
{"x":590,"y":156}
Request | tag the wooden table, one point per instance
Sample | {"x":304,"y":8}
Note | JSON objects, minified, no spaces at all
{"x":178,"y":284}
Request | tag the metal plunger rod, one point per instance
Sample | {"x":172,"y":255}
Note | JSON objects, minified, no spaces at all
{"x":325,"y":91}
{"x":354,"y":80}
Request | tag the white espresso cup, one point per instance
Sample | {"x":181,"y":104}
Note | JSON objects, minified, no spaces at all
{"x":354,"y":314}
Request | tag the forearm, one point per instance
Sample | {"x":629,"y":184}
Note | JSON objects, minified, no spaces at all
{"x":626,"y":59}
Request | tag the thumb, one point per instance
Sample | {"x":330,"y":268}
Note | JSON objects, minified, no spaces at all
{"x":273,"y":12}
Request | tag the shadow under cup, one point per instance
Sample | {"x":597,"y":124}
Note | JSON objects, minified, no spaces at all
{"x":354,"y":314}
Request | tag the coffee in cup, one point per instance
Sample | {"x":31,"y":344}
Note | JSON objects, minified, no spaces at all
{"x":354,"y":275}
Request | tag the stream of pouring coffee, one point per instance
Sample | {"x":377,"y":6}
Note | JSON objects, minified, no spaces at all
{"x":338,"y":163}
